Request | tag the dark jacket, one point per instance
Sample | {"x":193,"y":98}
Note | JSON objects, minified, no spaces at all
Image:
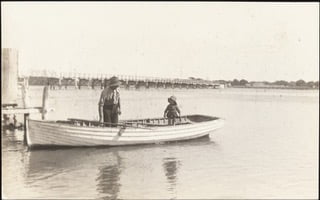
{"x":172,"y":111}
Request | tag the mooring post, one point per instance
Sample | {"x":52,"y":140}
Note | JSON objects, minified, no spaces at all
{"x":79,"y":84}
{"x":9,"y":75}
{"x":66,"y":83}
{"x":76,"y":83}
{"x":26,"y":82}
{"x":25,"y":126}
{"x":6,"y":120}
{"x":45,"y":97}
{"x":92,"y":83}
{"x":15,"y":121}
{"x":60,"y":83}
{"x":25,"y":96}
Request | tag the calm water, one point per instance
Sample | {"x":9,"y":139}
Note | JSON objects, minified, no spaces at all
{"x":267,"y":149}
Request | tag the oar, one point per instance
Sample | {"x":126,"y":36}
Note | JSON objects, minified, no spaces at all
{"x":94,"y":122}
{"x":107,"y":123}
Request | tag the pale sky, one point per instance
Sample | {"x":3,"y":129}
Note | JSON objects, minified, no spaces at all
{"x":211,"y":40}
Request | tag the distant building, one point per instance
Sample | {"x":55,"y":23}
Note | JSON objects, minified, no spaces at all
{"x":258,"y":84}
{"x":219,"y":86}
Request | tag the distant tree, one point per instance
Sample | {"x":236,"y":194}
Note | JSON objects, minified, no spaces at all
{"x":266,"y":82}
{"x":222,"y":81}
{"x":292,"y":83}
{"x":300,"y":83}
{"x":281,"y":82}
{"x":316,"y":84}
{"x":192,"y":78}
{"x":235,"y":82}
{"x":310,"y":84}
{"x":243,"y":82}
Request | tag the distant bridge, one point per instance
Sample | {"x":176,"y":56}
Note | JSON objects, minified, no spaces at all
{"x":59,"y":80}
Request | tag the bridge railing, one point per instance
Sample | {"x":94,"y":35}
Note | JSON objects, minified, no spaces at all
{"x":74,"y":75}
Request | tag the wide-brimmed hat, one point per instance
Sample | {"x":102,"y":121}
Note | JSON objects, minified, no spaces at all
{"x":114,"y":81}
{"x":172,"y":98}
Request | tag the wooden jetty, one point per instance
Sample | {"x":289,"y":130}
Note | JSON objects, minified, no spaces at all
{"x":85,"y":80}
{"x":10,"y":107}
{"x":14,"y":110}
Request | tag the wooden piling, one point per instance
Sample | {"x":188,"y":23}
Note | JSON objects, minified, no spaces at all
{"x":45,"y":97}
{"x":9,"y":75}
{"x":6,"y":120}
{"x":101,"y":84}
{"x":25,"y":96}
{"x":25,"y":126}
{"x":26,"y":82}
{"x":88,"y":84}
{"x":92,"y":83}
{"x":76,"y":83}
{"x":60,"y":83}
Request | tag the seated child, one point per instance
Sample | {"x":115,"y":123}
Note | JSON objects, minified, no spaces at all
{"x":172,"y":111}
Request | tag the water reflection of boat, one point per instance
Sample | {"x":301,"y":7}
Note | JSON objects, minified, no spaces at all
{"x":43,"y":160}
{"x":64,"y":160}
{"x":74,"y":171}
{"x":77,"y":132}
{"x":108,"y":179}
{"x":171,"y":166}
{"x":101,"y":169}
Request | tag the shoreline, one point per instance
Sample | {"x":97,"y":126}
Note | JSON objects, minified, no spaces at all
{"x":151,"y":88}
{"x":280,"y":88}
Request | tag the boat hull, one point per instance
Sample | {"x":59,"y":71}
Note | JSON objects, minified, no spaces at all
{"x":49,"y":133}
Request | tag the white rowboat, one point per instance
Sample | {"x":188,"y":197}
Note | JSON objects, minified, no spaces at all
{"x":78,"y":132}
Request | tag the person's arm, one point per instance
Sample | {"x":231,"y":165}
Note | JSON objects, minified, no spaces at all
{"x":100,"y":107}
{"x":178,"y":110}
{"x":100,"y":113}
{"x":165,"y":112}
{"x":119,"y":107}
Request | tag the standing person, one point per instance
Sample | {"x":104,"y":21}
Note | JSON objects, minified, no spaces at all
{"x":109,"y":103}
{"x":172,"y":111}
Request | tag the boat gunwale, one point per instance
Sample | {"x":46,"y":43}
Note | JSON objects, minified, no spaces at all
{"x":58,"y":146}
{"x":130,"y":128}
{"x":130,"y":134}
{"x":110,"y":135}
